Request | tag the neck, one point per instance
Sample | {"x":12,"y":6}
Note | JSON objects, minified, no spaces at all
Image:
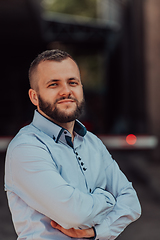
{"x":68,"y":126}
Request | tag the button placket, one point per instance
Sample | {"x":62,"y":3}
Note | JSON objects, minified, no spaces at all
{"x":82,"y":168}
{"x":80,"y":162}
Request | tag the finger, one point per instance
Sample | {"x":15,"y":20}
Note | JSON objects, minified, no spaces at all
{"x":54,"y":224}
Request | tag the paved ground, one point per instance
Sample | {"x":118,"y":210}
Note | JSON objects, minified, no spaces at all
{"x":145,"y":176}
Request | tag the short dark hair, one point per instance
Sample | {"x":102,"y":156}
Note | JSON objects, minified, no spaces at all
{"x":48,"y":55}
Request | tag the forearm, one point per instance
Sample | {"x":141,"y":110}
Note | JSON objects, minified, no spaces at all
{"x":75,"y":233}
{"x":70,"y":207}
{"x":126,"y":210}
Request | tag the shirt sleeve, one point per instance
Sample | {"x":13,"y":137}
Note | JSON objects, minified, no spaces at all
{"x":127,"y":208}
{"x":36,"y":180}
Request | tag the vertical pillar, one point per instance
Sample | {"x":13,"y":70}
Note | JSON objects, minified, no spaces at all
{"x":152,"y":62}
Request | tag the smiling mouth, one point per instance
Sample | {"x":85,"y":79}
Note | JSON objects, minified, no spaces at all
{"x":66,"y":101}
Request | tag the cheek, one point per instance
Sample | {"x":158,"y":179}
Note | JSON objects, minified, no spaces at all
{"x":79,"y":94}
{"x":50,"y":95}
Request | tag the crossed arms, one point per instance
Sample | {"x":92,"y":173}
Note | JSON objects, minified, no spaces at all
{"x":108,"y":210}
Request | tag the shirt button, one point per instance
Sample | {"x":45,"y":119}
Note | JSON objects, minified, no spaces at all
{"x":82,"y":163}
{"x":54,"y":138}
{"x":90,"y":190}
{"x":65,"y":132}
{"x":76,"y":153}
{"x":79,"y":158}
{"x":84,"y":169}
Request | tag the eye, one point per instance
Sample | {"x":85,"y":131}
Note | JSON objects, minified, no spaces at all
{"x":53,"y":85}
{"x":73,"y":83}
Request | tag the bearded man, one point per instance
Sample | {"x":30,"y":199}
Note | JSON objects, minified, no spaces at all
{"x":61,"y":181}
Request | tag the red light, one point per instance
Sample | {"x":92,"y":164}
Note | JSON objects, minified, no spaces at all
{"x":131,"y":139}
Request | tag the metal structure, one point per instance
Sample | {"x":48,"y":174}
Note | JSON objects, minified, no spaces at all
{"x":27,"y":30}
{"x":76,"y":29}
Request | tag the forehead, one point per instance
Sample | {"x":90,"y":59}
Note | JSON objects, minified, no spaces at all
{"x":50,"y":69}
{"x":64,"y":67}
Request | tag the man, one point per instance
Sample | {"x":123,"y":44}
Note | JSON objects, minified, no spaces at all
{"x":61,"y":182}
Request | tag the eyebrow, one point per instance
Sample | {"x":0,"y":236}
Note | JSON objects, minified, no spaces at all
{"x":57,"y":80}
{"x":74,"y":78}
{"x":52,"y":81}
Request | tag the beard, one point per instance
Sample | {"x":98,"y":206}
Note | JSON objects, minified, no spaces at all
{"x":53,"y":112}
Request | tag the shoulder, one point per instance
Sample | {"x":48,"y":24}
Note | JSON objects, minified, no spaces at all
{"x":96,"y":142}
{"x":93,"y":138}
{"x":28,"y":135}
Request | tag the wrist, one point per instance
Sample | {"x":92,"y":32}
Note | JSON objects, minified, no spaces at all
{"x":91,"y":233}
{"x":95,"y":234}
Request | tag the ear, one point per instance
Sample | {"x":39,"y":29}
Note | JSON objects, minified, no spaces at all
{"x":33,"y":96}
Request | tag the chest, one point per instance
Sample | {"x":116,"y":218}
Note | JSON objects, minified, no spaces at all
{"x":82,"y":167}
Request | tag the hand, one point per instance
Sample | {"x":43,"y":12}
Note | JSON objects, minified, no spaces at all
{"x":74,"y":233}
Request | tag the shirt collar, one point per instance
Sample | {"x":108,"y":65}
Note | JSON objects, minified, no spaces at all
{"x":55,"y":131}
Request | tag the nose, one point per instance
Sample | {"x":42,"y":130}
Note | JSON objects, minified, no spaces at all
{"x":65,"y":90}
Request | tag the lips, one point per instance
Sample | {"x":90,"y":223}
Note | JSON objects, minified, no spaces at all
{"x":65,"y":101}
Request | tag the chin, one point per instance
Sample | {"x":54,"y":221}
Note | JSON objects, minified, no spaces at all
{"x":67,"y":110}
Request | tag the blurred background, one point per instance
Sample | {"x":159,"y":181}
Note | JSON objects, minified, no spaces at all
{"x":116,"y":43}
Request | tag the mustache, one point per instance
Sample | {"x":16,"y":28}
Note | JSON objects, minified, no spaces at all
{"x":66,"y":98}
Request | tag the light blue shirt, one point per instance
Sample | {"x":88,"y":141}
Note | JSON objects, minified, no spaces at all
{"x":78,"y":186}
